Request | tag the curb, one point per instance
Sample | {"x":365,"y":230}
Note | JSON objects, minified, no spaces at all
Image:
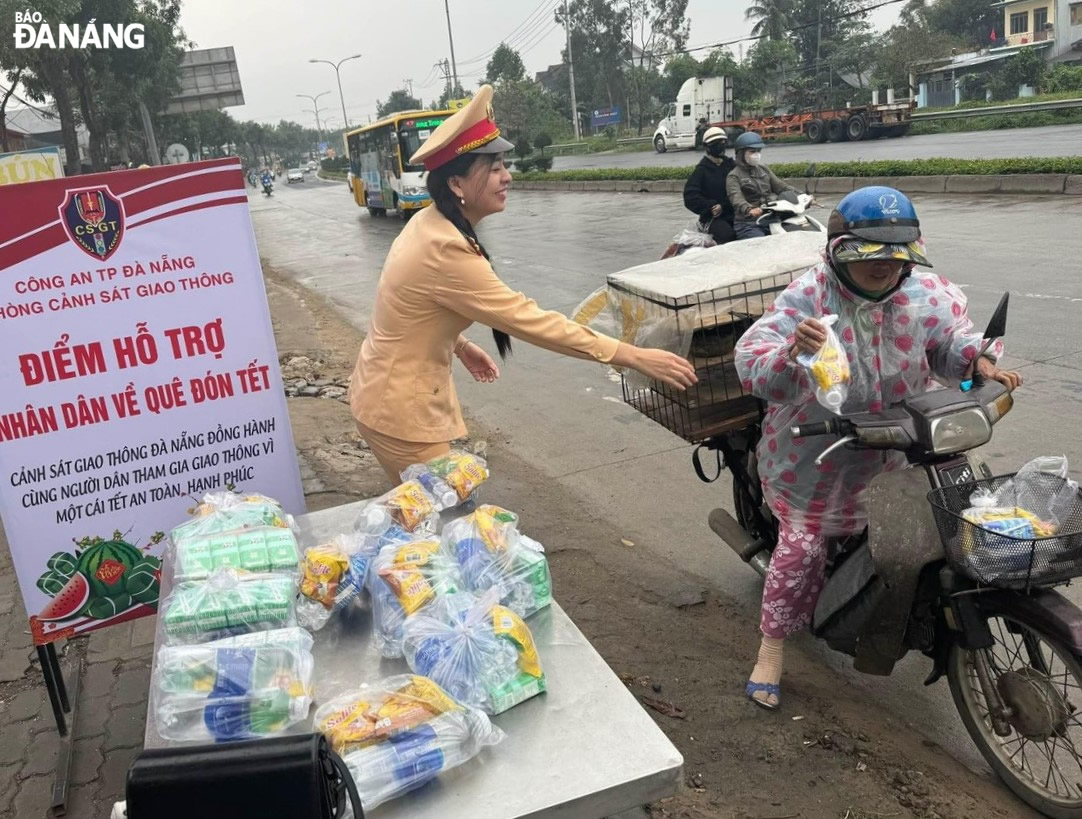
{"x":1032,"y":183}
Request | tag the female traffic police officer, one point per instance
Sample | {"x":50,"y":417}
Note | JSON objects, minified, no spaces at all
{"x":436,"y":282}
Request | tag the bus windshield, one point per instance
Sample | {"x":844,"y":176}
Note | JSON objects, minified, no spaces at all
{"x":411,"y":135}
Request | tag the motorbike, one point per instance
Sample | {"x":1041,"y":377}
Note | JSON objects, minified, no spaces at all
{"x":268,"y":188}
{"x":1011,"y":651}
{"x":787,"y":213}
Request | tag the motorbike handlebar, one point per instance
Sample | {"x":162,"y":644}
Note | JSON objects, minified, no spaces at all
{"x":831,"y":427}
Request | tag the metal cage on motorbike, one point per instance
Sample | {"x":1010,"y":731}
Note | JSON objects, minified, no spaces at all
{"x":995,"y":558}
{"x":707,"y":325}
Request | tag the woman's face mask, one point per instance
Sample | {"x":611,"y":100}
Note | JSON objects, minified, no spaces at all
{"x":753,"y":157}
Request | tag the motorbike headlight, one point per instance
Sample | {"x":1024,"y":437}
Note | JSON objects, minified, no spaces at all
{"x":960,"y":431}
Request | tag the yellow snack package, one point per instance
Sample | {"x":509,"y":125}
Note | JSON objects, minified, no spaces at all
{"x":410,"y":505}
{"x":405,"y":578}
{"x":324,"y":567}
{"x":505,"y":623}
{"x":467,"y":473}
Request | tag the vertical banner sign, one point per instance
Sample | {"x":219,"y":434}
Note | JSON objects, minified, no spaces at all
{"x":138,"y":372}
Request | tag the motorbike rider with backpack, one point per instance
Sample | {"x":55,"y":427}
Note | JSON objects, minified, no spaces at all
{"x":705,"y":192}
{"x":751,"y":184}
{"x":899,"y":328}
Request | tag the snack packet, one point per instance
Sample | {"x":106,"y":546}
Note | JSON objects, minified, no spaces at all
{"x":829,"y":369}
{"x":406,"y":509}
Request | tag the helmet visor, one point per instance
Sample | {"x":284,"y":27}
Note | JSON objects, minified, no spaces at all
{"x":860,"y":250}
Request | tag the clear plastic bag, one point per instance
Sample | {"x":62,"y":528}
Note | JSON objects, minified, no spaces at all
{"x":230,"y":512}
{"x":228,"y":603}
{"x":480,"y":652}
{"x":408,"y":510}
{"x":452,"y":478}
{"x":403,"y":579}
{"x":258,"y":549}
{"x":694,"y":235}
{"x":400,"y":733}
{"x":1042,"y":488}
{"x":494,"y":554}
{"x":242,"y":687}
{"x":829,"y":369}
{"x":333,"y":577}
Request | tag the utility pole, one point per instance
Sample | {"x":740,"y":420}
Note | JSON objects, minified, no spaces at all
{"x":451,"y":40}
{"x":571,"y":73}
{"x":409,"y":85}
{"x":446,"y":71}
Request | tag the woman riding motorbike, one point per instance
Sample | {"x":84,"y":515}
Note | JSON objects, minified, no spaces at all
{"x":751,"y":185}
{"x":899,"y":329}
{"x":704,"y":192}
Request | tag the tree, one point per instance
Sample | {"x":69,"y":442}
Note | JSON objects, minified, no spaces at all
{"x":400,"y":100}
{"x":449,"y":93}
{"x":903,"y":47}
{"x":767,"y":69}
{"x":598,"y":41}
{"x":970,"y":20}
{"x":655,"y":26}
{"x":678,"y":70}
{"x":526,"y":111}
{"x":772,"y":18}
{"x":506,"y":64}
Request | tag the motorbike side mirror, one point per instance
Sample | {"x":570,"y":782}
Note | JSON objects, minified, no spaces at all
{"x":997,"y":325}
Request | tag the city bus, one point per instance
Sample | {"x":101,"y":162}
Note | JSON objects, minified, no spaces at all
{"x":380,"y":174}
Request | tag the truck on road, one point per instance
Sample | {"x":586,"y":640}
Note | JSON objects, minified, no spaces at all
{"x":853,"y":123}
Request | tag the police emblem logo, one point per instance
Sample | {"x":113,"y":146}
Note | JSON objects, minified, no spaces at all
{"x":94,"y":220}
{"x":490,"y":113}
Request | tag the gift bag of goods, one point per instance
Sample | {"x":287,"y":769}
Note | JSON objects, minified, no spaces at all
{"x":399,"y":733}
{"x":333,"y":578}
{"x":228,"y":603}
{"x":479,"y":651}
{"x":494,"y":554}
{"x":451,"y":479}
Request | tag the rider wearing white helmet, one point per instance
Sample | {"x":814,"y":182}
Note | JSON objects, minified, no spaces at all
{"x":705,"y":192}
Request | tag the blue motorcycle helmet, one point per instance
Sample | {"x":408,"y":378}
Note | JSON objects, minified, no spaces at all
{"x":749,"y":141}
{"x":874,"y":223}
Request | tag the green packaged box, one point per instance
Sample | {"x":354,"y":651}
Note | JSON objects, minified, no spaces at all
{"x":252,"y":551}
{"x":241,"y":608}
{"x":193,"y":558}
{"x":281,"y":549}
{"x":180,"y":617}
{"x":223,"y":552}
{"x":511,"y":693}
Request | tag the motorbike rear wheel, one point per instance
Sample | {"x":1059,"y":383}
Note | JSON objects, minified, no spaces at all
{"x":1040,"y":679}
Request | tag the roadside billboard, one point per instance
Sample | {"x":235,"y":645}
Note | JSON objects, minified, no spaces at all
{"x":32,"y":165}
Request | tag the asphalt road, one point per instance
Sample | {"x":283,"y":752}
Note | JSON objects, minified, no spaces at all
{"x":1054,"y":140}
{"x":567,"y":418}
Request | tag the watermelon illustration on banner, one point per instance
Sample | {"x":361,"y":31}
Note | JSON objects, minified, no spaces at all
{"x":138,"y":372}
{"x":102,"y":580}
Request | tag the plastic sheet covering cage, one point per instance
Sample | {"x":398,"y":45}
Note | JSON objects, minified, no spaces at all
{"x":698,"y":305}
{"x":1008,"y":561}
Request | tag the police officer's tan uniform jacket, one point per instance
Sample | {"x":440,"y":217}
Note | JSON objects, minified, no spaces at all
{"x":434,"y":285}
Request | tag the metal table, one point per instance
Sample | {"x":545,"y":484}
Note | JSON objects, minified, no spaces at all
{"x":585,"y":748}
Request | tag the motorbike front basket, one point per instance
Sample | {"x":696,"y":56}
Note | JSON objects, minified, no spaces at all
{"x":994,"y":557}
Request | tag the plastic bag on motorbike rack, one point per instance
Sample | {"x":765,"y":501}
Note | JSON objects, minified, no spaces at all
{"x":408,"y":511}
{"x":829,"y":368}
{"x":405,"y":578}
{"x":249,"y":532}
{"x":245,"y":687}
{"x":228,"y":603}
{"x":493,"y":554}
{"x":452,"y":478}
{"x":333,"y":577}
{"x":480,"y":652}
{"x":1041,"y":487}
{"x":695,"y":235}
{"x":399,"y":733}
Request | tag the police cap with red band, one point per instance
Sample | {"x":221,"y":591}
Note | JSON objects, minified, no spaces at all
{"x":470,"y":130}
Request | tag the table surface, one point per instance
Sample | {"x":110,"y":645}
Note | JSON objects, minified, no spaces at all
{"x":585,"y":748}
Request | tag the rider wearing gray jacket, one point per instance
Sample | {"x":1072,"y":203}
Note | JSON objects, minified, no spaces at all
{"x":750,"y":185}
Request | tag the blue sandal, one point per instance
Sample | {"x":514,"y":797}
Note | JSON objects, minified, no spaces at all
{"x":770,"y":689}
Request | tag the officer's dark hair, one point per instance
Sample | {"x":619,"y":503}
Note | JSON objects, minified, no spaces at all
{"x":446,"y":202}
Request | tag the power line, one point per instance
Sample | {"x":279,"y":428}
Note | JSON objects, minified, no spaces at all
{"x":521,"y":32}
{"x":750,"y":37}
{"x":538,"y":40}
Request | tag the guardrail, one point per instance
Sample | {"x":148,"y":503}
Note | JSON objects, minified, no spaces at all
{"x":1021,"y":108}
{"x":569,"y":147}
{"x":634,"y":140}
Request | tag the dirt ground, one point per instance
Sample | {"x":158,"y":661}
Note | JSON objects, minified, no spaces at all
{"x":683,"y":651}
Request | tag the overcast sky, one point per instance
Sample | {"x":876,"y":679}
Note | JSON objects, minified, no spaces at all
{"x":274,"y":39}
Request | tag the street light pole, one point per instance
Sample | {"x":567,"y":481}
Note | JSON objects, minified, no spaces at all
{"x":451,"y":39}
{"x":336,"y":67}
{"x":571,"y":72}
{"x":315,"y":109}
